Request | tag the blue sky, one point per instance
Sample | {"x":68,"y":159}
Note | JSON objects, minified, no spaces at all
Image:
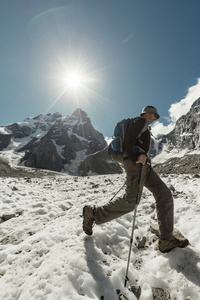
{"x":129,"y":53}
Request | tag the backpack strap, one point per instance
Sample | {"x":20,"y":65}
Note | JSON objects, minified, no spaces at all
{"x":146,"y":126}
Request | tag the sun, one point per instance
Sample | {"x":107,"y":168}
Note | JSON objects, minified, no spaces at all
{"x":75,"y":80}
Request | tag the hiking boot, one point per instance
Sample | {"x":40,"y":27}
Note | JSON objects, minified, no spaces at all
{"x":88,"y":219}
{"x":167,"y":245}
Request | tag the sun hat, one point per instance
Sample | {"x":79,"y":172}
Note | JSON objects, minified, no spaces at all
{"x":150,"y":109}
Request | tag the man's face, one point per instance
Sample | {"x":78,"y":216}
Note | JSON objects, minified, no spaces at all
{"x":150,"y":117}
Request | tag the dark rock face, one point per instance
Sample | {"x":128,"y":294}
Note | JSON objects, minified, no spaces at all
{"x":44,"y":156}
{"x":4,"y":141}
{"x":19,"y":131}
{"x":94,"y":163}
{"x":55,"y":143}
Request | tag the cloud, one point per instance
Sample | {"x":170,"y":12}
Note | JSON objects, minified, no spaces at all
{"x":160,"y":128}
{"x":129,"y":38}
{"x":177,"y":110}
{"x":181,"y":108}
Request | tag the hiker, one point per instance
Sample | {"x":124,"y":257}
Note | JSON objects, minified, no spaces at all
{"x":137,"y":147}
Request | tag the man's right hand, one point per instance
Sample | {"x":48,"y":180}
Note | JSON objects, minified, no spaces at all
{"x":141,"y":159}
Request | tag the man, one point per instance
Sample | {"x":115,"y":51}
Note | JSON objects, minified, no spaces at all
{"x":133,"y":161}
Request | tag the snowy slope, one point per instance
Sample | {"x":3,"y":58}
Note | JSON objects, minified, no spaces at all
{"x":45,"y":255}
{"x":168,"y":153}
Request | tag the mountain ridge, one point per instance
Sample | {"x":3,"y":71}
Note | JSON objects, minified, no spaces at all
{"x":71,"y":144}
{"x":64,"y":144}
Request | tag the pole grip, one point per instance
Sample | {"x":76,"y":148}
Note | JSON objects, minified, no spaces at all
{"x":125,"y":281}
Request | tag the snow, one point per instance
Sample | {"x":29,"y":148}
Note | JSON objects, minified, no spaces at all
{"x":11,"y":157}
{"x":4,"y":130}
{"x":74,"y":164}
{"x":171,"y":153}
{"x":81,"y":138}
{"x":45,"y":255}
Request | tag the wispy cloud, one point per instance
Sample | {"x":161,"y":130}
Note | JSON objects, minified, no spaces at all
{"x":128,"y":38}
{"x":177,"y":110}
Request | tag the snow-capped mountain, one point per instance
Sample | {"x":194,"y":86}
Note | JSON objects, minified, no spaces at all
{"x":53,"y":142}
{"x":71,"y":144}
{"x":179,"y":150}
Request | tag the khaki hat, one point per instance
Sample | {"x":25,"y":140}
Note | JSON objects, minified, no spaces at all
{"x":150,"y":109}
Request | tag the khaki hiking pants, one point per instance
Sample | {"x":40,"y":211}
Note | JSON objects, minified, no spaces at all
{"x":125,"y":204}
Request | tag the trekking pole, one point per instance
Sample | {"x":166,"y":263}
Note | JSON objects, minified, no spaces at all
{"x":118,"y":191}
{"x":133,"y":226}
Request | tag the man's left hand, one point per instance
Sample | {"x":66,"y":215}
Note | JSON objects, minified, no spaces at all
{"x":141,"y":159}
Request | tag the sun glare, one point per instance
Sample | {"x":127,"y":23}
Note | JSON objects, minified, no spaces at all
{"x":74,"y":80}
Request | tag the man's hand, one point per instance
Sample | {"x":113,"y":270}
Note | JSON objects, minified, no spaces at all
{"x":141,"y":159}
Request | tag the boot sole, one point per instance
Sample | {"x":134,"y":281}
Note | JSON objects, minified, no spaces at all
{"x":86,"y":231}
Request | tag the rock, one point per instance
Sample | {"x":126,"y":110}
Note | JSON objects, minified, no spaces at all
{"x":8,"y":217}
{"x":19,"y":131}
{"x":136,"y":290}
{"x":4,"y":141}
{"x":189,"y":164}
{"x":172,"y":188}
{"x":99,"y":164}
{"x":160,"y":294}
{"x":44,"y":156}
{"x":142,"y":242}
{"x":196,"y":176}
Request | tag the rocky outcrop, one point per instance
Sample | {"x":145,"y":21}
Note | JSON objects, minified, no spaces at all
{"x":99,"y":164}
{"x":43,"y":156}
{"x":19,"y":131}
{"x":188,"y":164}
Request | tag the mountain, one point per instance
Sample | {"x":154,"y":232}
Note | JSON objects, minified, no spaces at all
{"x":179,"y":150}
{"x":69,"y":144}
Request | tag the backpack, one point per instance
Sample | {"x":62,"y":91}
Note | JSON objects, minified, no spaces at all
{"x":116,"y":147}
